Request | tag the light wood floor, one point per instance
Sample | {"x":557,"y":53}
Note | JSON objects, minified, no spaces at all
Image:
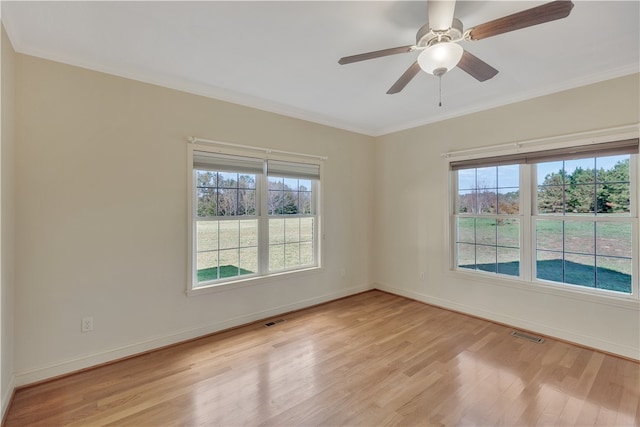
{"x":371,"y":359}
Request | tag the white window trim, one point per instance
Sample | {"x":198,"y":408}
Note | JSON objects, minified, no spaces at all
{"x":262,"y":276}
{"x":526,"y":280}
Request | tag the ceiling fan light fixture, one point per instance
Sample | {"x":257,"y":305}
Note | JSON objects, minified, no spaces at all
{"x":440,"y":55}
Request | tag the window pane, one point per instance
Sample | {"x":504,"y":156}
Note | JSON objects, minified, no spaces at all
{"x":207,"y":266}
{"x":508,"y":232}
{"x":275,"y":202}
{"x":229,"y":234}
{"x":292,"y":230}
{"x":218,"y":194}
{"x":275,"y":183}
{"x":580,"y":170}
{"x":613,"y":168}
{"x":550,"y":173}
{"x":291,"y":184}
{"x":579,"y":237}
{"x":614,"y":239}
{"x":614,"y":198}
{"x":580,"y":198}
{"x":275,"y":196}
{"x":487,"y":201}
{"x":580,"y":270}
{"x":549,"y":235}
{"x":206,"y":202}
{"x":509,"y":261}
{"x":486,"y":231}
{"x":509,"y":201}
{"x":466,"y":230}
{"x":249,"y":232}
{"x":248,"y":260}
{"x":306,"y":253}
{"x":487,"y":177}
{"x":550,"y":199}
{"x":246,"y":202}
{"x":467,"y":179}
{"x":509,"y":176}
{"x":276,"y":230}
{"x":305,"y":202}
{"x":227,"y":180}
{"x":306,"y":229}
{"x":206,"y":178}
{"x":292,"y":255}
{"x":304,"y":185}
{"x":227,"y":202}
{"x":486,"y":258}
{"x":229,"y":263}
{"x":276,"y":257}
{"x":549,"y":266}
{"x":206,"y":235}
{"x":247,"y":181}
{"x":466,"y":201}
{"x":466,"y":256}
{"x":289,"y":203}
{"x":614,"y":274}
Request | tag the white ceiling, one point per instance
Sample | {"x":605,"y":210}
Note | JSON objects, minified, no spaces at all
{"x":283,"y":56}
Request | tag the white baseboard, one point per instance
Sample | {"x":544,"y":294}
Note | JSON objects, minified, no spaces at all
{"x":86,"y":361}
{"x":6,"y":397}
{"x":548,"y":330}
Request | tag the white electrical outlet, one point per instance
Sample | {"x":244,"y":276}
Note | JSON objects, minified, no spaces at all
{"x":87,"y":324}
{"x":422,"y":275}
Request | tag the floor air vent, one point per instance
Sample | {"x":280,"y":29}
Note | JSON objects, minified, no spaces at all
{"x":273,"y":323}
{"x":533,"y":338}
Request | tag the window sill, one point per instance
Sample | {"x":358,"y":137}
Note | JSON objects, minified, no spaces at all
{"x":628,"y":302}
{"x":253,"y":281}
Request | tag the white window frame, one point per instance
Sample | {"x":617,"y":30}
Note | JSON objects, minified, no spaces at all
{"x":263,"y":275}
{"x":527,"y":216}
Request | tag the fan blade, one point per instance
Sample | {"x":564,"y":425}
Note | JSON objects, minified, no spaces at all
{"x":527,"y":18}
{"x":440,"y":14}
{"x":476,"y":67}
{"x":376,"y":54}
{"x":404,"y":79}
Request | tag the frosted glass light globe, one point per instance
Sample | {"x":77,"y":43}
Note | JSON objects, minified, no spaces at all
{"x":440,"y":55}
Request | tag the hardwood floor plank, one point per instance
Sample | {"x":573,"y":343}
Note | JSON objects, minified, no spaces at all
{"x":370,"y":359}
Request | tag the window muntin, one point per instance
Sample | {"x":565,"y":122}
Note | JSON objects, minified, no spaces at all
{"x":582,"y":219}
{"x":248,"y":223}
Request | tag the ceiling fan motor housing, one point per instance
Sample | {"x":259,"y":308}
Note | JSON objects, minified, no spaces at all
{"x":427,"y":37}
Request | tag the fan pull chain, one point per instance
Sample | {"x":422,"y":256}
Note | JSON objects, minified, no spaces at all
{"x":439,"y":72}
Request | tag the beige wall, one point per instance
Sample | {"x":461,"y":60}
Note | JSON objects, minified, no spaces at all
{"x":411,"y":216}
{"x":102,"y":202}
{"x":7,"y":221}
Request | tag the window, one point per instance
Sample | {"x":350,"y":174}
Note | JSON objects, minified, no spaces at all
{"x":251,"y":217}
{"x":488,"y":220}
{"x":564,"y":217}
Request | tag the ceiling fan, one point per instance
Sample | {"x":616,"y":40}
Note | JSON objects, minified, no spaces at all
{"x":438,"y":40}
